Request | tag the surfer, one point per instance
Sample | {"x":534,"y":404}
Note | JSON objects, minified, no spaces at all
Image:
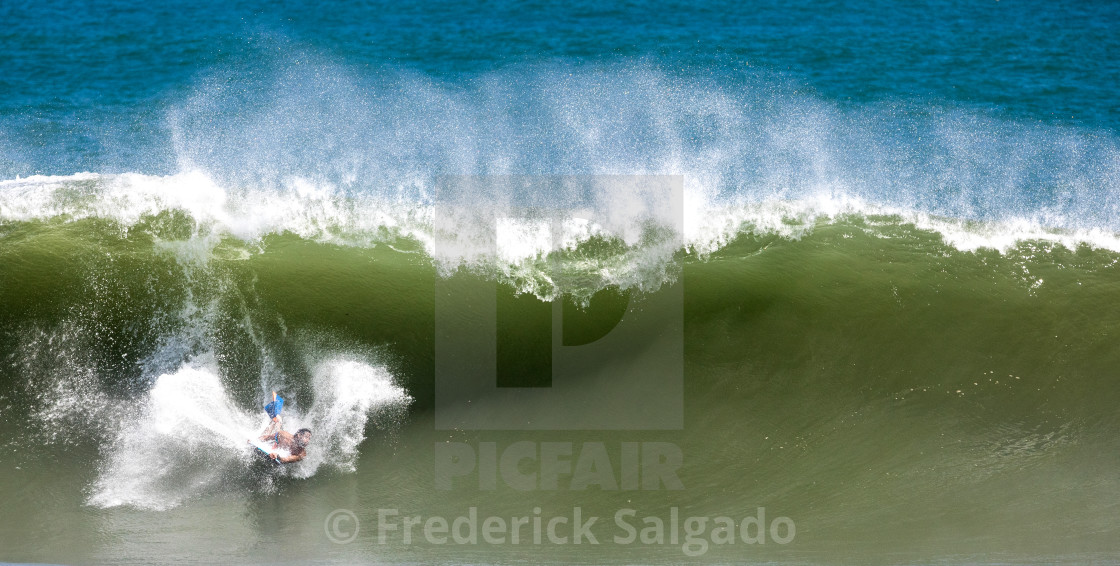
{"x":295,"y":444}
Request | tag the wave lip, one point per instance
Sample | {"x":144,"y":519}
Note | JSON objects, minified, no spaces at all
{"x":325,"y":213}
{"x":332,"y":153}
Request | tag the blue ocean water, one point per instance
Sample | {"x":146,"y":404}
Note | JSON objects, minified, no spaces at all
{"x":88,"y":86}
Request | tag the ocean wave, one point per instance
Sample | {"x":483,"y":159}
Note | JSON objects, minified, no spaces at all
{"x":349,"y":156}
{"x":207,"y":213}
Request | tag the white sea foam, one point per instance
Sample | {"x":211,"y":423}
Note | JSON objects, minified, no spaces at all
{"x":331,"y":154}
{"x":322,"y":213}
{"x":188,"y":437}
{"x":347,"y":392}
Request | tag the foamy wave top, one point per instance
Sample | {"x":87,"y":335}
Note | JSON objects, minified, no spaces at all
{"x":340,"y":155}
{"x":323,"y":212}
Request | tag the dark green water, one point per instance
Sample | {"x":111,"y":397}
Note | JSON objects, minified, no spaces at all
{"x":898,"y":399}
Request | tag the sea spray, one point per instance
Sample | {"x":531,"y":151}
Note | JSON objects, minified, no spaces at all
{"x":189,"y":437}
{"x":347,"y":391}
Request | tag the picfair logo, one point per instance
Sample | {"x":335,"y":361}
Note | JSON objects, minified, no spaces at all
{"x":500,"y":366}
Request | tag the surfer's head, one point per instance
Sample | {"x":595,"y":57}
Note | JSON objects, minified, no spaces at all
{"x":303,"y":436}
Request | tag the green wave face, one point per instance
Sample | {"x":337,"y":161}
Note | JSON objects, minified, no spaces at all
{"x":860,"y":372}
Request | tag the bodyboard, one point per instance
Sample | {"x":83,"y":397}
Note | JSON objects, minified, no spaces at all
{"x":265,"y":448}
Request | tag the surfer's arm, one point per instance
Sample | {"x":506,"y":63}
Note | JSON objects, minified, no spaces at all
{"x":289,"y":459}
